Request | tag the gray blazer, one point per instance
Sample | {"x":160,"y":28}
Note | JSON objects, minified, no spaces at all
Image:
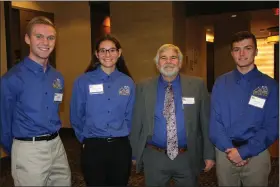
{"x":196,"y":120}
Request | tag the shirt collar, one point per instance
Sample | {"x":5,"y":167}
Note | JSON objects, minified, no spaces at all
{"x":104,"y":76}
{"x":34,"y":66}
{"x":174,"y":83}
{"x":248,"y":76}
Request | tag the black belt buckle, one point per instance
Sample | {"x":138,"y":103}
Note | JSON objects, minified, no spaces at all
{"x":110,"y":140}
{"x":51,"y":136}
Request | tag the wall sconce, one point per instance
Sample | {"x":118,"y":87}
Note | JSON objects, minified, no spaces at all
{"x":107,"y":25}
{"x":273,"y":34}
{"x":209,"y":38}
{"x":272,"y":39}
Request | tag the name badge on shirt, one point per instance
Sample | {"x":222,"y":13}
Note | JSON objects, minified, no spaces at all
{"x":256,"y":101}
{"x":96,"y":89}
{"x":188,"y":100}
{"x":58,"y":97}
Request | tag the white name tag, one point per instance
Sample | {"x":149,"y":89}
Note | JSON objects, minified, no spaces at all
{"x":188,"y":100}
{"x":96,"y":89}
{"x":58,"y":97}
{"x":256,"y":101}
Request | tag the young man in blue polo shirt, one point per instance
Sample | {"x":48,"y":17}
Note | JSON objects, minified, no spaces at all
{"x":244,"y":118}
{"x":30,"y":96}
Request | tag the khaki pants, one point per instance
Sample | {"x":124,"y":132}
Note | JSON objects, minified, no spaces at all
{"x":40,"y":163}
{"x":255,"y":173}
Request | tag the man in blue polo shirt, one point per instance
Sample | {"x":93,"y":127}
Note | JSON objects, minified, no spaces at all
{"x":244,"y":118}
{"x":30,"y":96}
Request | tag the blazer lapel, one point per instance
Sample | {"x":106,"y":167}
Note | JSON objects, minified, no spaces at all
{"x":186,"y":92}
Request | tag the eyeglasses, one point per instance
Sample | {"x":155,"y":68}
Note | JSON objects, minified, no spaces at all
{"x":165,"y":58}
{"x":111,"y":51}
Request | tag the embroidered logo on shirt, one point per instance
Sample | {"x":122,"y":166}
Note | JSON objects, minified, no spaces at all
{"x":124,"y":90}
{"x":57,"y":84}
{"x":261,"y":91}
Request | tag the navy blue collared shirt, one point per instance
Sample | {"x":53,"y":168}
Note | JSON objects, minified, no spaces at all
{"x":159,"y":138}
{"x":101,"y":105}
{"x":234,"y":115}
{"x":30,"y":101}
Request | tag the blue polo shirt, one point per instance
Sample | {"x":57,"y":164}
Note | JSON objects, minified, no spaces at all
{"x":102,"y":104}
{"x":244,"y":107}
{"x":29,"y":101}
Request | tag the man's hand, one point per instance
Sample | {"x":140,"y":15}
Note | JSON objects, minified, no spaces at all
{"x":208,"y":165}
{"x":233,"y":155}
{"x":242,"y":163}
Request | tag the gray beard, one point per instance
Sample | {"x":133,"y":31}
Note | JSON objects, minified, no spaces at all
{"x":169,"y":74}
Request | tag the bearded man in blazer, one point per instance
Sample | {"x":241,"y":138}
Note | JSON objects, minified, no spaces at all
{"x":169,"y":134}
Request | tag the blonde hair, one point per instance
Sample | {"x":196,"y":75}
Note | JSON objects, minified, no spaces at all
{"x":169,"y":46}
{"x":38,"y":20}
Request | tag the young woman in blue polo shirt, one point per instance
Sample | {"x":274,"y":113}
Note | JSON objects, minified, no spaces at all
{"x":100,"y":113}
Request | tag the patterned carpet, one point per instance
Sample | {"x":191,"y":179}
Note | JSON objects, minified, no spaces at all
{"x":72,"y":147}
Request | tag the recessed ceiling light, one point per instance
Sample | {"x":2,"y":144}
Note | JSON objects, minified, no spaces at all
{"x":208,"y":30}
{"x":233,"y":15}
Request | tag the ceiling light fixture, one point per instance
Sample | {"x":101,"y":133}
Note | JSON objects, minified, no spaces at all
{"x":272,"y":39}
{"x":273,"y":34}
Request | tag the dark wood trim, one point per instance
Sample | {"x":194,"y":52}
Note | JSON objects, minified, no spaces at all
{"x":276,"y":62}
{"x":8,"y":16}
{"x":91,"y":30}
{"x":210,"y":65}
{"x":98,"y":9}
